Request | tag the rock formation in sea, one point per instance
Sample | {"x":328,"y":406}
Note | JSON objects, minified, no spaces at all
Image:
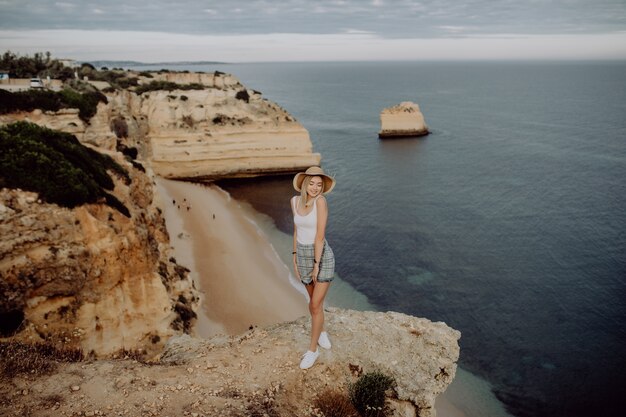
{"x":402,"y":120}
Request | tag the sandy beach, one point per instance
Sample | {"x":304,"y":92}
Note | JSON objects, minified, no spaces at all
{"x":243,"y":281}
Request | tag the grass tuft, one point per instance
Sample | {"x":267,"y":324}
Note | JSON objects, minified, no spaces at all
{"x":332,"y":403}
{"x":367,"y":394}
{"x":18,"y":358}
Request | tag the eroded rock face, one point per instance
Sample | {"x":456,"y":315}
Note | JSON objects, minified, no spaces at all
{"x":404,"y":119}
{"x":210,"y":134}
{"x":91,"y":276}
{"x":212,"y":79}
{"x":222,"y":131}
{"x":65,"y":120}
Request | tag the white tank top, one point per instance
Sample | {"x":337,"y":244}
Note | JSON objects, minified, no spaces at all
{"x":306,"y":226}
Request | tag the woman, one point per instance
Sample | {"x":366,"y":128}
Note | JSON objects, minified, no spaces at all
{"x":313,"y":259}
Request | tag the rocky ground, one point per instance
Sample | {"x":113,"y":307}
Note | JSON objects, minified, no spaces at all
{"x":253,"y":374}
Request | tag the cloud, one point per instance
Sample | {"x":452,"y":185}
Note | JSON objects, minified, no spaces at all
{"x":389,"y":18}
{"x":160,"y":46}
{"x":351,"y":23}
{"x":64,"y":4}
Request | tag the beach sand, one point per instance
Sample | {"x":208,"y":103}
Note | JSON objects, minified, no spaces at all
{"x":243,"y":281}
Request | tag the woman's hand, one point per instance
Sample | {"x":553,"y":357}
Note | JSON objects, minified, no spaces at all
{"x":316,"y":272}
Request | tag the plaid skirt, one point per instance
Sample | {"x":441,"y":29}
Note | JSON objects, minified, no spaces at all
{"x":305,"y":254}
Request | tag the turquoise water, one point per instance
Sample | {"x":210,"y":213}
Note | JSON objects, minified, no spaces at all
{"x":508,"y":222}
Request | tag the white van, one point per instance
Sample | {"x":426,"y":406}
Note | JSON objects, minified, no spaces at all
{"x":36,"y":83}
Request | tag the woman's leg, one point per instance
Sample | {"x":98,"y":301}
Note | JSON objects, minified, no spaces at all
{"x":316,"y":307}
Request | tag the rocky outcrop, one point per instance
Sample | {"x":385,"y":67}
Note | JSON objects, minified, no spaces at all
{"x":419,"y":354}
{"x":256,"y":373}
{"x":91,"y":277}
{"x":404,"y":119}
{"x":209,"y":134}
{"x":97,"y":132}
{"x":215,"y":79}
{"x":222,"y":131}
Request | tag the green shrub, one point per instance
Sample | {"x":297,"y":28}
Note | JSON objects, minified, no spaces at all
{"x":55,"y":165}
{"x":27,"y":67}
{"x":146,"y":74}
{"x":167,"y":86}
{"x":126,"y":82}
{"x":30,"y":100}
{"x":368,"y":394}
{"x":243,"y":95}
{"x":86,"y":103}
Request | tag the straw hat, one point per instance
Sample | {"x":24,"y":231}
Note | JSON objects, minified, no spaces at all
{"x":329,"y":182}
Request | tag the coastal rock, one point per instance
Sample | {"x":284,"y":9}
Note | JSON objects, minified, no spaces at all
{"x":404,"y":119}
{"x":211,"y":79}
{"x":256,"y":373}
{"x":209,"y":134}
{"x":222,"y":131}
{"x":91,"y":277}
{"x":419,"y":354}
{"x":65,"y":120}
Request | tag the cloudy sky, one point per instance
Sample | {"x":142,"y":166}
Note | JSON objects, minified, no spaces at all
{"x":297,"y":30}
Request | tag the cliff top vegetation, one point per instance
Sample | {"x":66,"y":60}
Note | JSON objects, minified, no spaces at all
{"x":57,"y":166}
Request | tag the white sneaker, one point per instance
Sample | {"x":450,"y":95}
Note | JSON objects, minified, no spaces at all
{"x":308,"y":359}
{"x":324,"y":341}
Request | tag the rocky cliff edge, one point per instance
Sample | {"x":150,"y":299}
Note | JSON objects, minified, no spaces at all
{"x":256,"y":373}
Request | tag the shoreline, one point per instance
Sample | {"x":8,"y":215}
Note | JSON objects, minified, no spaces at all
{"x":232,"y":263}
{"x":212,"y":248}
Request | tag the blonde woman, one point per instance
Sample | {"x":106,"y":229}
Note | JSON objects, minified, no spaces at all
{"x":313,"y":259}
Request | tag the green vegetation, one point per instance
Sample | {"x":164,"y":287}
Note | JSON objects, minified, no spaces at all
{"x":30,"y":100}
{"x":243,"y":95}
{"x":118,"y":78}
{"x":55,"y":165}
{"x":368,"y":394}
{"x":167,"y":86}
{"x":40,"y":65}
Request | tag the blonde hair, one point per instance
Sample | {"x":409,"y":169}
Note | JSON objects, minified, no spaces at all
{"x":304,"y":196}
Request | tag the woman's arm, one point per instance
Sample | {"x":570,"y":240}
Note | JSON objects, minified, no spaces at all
{"x":320,"y":233}
{"x":295,"y":240}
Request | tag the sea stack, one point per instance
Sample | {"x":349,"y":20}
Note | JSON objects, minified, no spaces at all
{"x":402,"y":120}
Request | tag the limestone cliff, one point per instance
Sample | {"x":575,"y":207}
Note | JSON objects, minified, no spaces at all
{"x":90,"y":276}
{"x":209,"y":134}
{"x":404,"y":119}
{"x":255,"y":373}
{"x":221,"y":131}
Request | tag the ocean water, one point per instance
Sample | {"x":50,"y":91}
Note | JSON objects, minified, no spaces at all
{"x":508,"y":222}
